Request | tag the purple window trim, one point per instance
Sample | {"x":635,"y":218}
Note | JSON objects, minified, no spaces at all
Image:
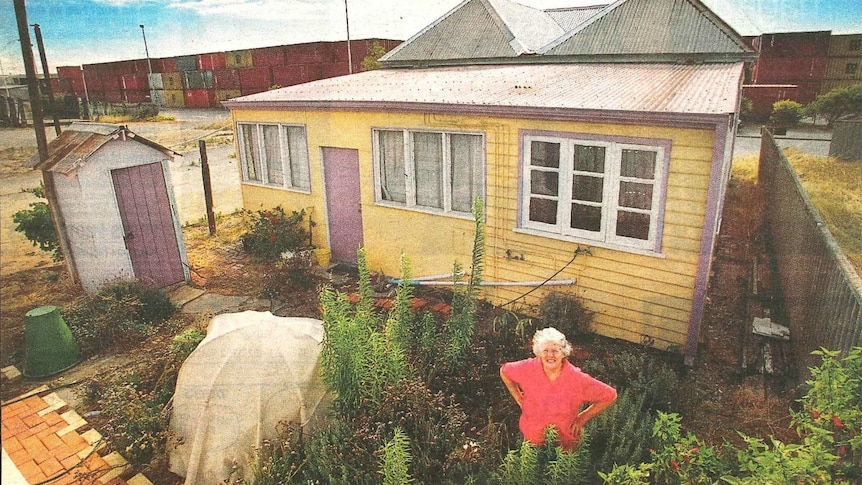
{"x":710,"y":220}
{"x":663,"y":143}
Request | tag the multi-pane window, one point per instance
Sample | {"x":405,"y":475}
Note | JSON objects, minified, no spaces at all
{"x":596,"y":190}
{"x":274,"y":155}
{"x":432,"y":170}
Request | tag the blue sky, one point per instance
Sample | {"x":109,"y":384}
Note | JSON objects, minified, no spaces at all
{"x":79,"y":32}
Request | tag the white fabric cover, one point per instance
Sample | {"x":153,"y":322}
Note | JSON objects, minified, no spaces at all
{"x":252,"y":371}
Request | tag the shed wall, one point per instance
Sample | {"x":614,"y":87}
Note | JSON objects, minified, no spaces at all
{"x":637,"y":297}
{"x":89,"y":207}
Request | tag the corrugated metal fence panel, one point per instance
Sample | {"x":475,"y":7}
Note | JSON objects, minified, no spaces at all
{"x":822,"y":292}
{"x":187,"y":63}
{"x":846,"y":141}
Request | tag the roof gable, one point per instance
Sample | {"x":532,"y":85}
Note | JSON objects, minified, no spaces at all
{"x":73,"y":147}
{"x":478,"y":29}
{"x":674,"y":27}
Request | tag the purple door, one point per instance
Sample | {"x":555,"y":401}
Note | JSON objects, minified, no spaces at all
{"x":343,"y":205}
{"x":148,"y":225}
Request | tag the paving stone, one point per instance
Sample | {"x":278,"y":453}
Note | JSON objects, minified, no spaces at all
{"x":139,"y":479}
{"x":215,"y":304}
{"x":184,"y":294}
{"x":117,"y":464}
{"x":55,"y":403}
{"x":10,"y":373}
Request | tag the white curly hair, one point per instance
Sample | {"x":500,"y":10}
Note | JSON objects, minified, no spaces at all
{"x":552,"y":335}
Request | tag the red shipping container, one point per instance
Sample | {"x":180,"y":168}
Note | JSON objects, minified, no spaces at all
{"x":226,"y":79}
{"x":763,"y":96}
{"x":69,"y":72}
{"x":337,"y":52}
{"x":95,"y":95}
{"x":789,"y":70}
{"x":93,"y":80}
{"x":297,"y":74}
{"x":247,"y":91}
{"x":135,"y":81}
{"x":200,"y":98}
{"x":310,"y":53}
{"x":137,"y":95}
{"x":211,"y":61}
{"x":169,"y":64}
{"x":255,"y":77}
{"x":65,"y":87}
{"x":114,"y":96}
{"x":112,"y":83}
{"x":334,"y":70}
{"x":268,"y":56}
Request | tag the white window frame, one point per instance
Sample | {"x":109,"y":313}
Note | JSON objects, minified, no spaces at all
{"x":410,"y":167}
{"x":284,"y":153}
{"x":606,"y":235}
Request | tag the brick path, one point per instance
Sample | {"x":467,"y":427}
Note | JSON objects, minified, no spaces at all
{"x":46,"y":440}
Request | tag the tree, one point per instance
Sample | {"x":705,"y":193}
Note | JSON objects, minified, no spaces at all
{"x":837,"y":103}
{"x":371,"y":61}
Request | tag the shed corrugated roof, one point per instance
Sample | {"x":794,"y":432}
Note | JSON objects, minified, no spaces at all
{"x":570,"y":18}
{"x":648,"y":87}
{"x":71,"y":149}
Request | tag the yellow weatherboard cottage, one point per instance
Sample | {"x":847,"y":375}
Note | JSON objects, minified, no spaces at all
{"x":578,"y":128}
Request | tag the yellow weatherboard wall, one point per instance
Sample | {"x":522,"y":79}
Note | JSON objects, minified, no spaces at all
{"x":637,"y":297}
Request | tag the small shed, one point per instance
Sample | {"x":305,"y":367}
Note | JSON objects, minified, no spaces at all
{"x":113,"y":206}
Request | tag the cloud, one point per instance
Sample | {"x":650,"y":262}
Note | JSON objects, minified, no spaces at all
{"x":268,"y":10}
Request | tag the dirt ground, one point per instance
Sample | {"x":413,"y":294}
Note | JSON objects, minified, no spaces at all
{"x":725,"y":390}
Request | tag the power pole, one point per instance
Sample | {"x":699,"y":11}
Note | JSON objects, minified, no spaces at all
{"x":32,"y":85}
{"x":349,"y":55}
{"x":50,"y":91}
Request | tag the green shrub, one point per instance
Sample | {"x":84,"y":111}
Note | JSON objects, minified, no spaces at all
{"x":37,"y":225}
{"x":786,"y":113}
{"x":837,"y":103}
{"x":395,"y":463}
{"x":273,"y":232}
{"x":643,"y":374}
{"x":622,"y":434}
{"x":137,"y":420}
{"x":566,"y":313}
{"x":120,"y":313}
{"x":545,"y":464}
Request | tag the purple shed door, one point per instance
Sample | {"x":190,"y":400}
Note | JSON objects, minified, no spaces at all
{"x":148,"y":225}
{"x":343,"y":205}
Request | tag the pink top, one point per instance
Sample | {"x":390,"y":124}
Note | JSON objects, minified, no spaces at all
{"x":557,"y":402}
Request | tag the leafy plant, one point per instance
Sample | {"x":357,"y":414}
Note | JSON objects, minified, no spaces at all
{"x":566,"y":313}
{"x":837,"y":103}
{"x":273,"y":232}
{"x":786,"y":113}
{"x":545,"y":464}
{"x":119,"y":313}
{"x":396,"y":460}
{"x":375,"y":52}
{"x":622,"y":434}
{"x":643,"y":374}
{"x":37,"y":225}
{"x":137,"y":420}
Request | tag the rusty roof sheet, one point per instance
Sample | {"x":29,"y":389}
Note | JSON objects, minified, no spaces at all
{"x":648,"y":87}
{"x":74,"y":146}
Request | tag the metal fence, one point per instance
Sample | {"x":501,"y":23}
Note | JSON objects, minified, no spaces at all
{"x":822,"y":291}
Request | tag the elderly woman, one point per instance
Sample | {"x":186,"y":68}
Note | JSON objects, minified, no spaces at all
{"x":551,"y":391}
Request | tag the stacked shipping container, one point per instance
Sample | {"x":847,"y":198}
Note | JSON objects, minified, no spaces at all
{"x":204,"y":80}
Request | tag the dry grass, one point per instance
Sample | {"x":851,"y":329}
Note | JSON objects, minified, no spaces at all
{"x":745,"y":168}
{"x":835,"y":189}
{"x":11,"y":159}
{"x":114,"y":119}
{"x":224,"y":125}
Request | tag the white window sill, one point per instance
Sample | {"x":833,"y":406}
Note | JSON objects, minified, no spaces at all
{"x":426,"y":210}
{"x":589,"y":242}
{"x":276,"y":187}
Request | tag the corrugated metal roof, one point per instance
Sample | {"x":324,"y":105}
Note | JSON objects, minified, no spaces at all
{"x":570,"y":18}
{"x":654,"y":88}
{"x":469,"y":31}
{"x":532,"y":28}
{"x":661,"y":27}
{"x":505,"y":31}
{"x":71,"y":149}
